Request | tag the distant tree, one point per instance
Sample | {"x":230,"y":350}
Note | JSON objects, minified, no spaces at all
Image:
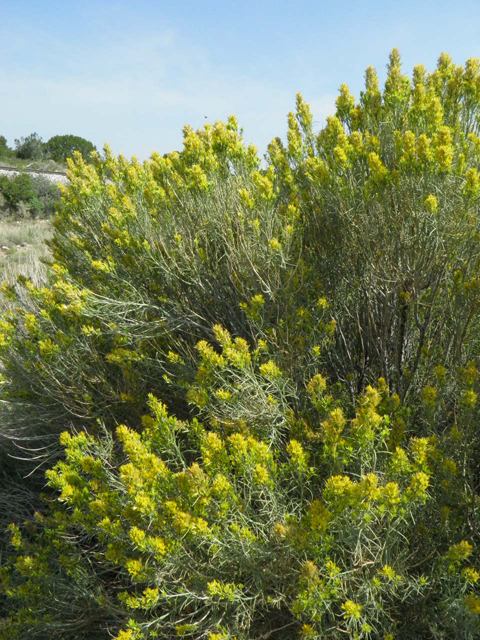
{"x":30,"y":148}
{"x":5,"y":150}
{"x":18,"y":189}
{"x":59,"y":148}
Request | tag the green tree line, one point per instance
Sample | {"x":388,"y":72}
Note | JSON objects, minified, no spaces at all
{"x":245,"y":404}
{"x":30,"y":195}
{"x":57,"y":148}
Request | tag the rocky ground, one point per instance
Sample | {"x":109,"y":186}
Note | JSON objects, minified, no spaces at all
{"x":52,"y":176}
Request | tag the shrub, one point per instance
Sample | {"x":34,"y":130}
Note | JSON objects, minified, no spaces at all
{"x":30,"y":148}
{"x":59,"y":148}
{"x":48,"y":194}
{"x":38,"y":194}
{"x":20,"y":188}
{"x":5,"y":151}
{"x":293,"y":351}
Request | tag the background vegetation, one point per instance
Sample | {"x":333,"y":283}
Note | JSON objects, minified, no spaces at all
{"x":254,"y":390}
{"x":29,"y":195}
{"x":32,"y":148}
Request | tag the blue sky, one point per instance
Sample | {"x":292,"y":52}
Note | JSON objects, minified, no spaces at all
{"x":132,"y":74}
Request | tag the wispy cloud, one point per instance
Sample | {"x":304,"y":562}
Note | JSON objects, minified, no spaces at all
{"x":134,"y":87}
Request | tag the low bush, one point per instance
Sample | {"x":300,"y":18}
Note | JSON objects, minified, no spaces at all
{"x":37,"y":194}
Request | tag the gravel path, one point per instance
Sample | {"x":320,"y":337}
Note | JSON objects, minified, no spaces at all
{"x":52,"y":176}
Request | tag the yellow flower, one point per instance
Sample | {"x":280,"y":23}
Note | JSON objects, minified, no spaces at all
{"x":308,"y":631}
{"x":345,"y":102}
{"x":270,"y":370}
{"x":223,"y":591}
{"x":472,"y":182}
{"x":137,"y":536}
{"x":304,"y":114}
{"x":333,"y":426}
{"x":319,"y":516}
{"x":419,"y":449}
{"x":444,"y":157}
{"x":16,"y":540}
{"x":399,"y":462}
{"x":275,"y":245}
{"x":423,"y":149}
{"x":369,"y":487}
{"x":420,"y":482}
{"x":260,"y":475}
{"x":157,"y":545}
{"x":212,"y":448}
{"x":332,"y":569}
{"x":245,"y":197}
{"x":31,"y":323}
{"x":316,"y":386}
{"x":197,"y":178}
{"x":297,"y":455}
{"x":391,"y":494}
{"x":100,"y":265}
{"x":459,"y":552}
{"x":472,"y":603}
{"x":221,"y":485}
{"x":135,"y":568}
{"x":338,"y":485}
{"x":440,"y":373}
{"x":470,"y":575}
{"x":388,"y":572}
{"x":430,"y":203}
{"x":340,"y":156}
{"x":222,"y":394}
{"x":185,"y":629}
{"x":294,"y":137}
{"x":309,"y":573}
{"x":469,"y":399}
{"x":47,"y":348}
{"x":378,"y":172}
{"x":264,"y":186}
{"x":353,"y":611}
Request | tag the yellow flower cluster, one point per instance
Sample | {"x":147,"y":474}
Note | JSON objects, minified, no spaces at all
{"x":147,"y":600}
{"x":141,"y":459}
{"x":223,"y":591}
{"x":298,"y":457}
{"x":316,"y":387}
{"x":248,"y":455}
{"x":235,"y":351}
{"x":352,"y":610}
{"x":270,"y":370}
{"x":431,"y":203}
{"x":472,"y":603}
{"x":459,"y":552}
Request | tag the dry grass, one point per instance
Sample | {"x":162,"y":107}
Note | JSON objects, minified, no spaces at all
{"x":22,"y":247}
{"x":45,"y":164}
